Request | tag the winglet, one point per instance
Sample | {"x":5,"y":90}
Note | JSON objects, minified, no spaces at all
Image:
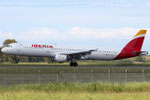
{"x":141,"y":32}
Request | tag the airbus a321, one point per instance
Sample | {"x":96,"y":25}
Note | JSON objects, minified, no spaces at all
{"x":63,"y":54}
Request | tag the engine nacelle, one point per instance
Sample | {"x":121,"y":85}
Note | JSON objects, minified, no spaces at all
{"x":60,"y":58}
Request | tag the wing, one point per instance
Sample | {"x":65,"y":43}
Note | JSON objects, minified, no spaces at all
{"x":79,"y":54}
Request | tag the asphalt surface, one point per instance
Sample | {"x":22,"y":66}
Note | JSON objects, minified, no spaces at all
{"x":51,"y":66}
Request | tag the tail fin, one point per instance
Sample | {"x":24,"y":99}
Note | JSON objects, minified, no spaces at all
{"x":133,"y":48}
{"x":137,"y":42}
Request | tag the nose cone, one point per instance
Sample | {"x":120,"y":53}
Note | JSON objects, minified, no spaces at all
{"x":3,"y":50}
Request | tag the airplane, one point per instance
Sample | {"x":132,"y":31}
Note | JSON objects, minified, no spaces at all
{"x":63,"y":54}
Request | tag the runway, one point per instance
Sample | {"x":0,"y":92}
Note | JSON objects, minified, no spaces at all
{"x":69,"y":67}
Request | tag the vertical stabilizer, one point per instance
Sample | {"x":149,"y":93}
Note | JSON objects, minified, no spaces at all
{"x":133,"y":48}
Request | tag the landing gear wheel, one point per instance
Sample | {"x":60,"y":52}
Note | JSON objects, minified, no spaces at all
{"x":73,"y":64}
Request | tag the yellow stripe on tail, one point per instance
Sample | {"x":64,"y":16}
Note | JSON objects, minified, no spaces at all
{"x":141,"y":32}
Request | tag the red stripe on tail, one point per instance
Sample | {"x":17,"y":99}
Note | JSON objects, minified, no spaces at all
{"x":132,"y":49}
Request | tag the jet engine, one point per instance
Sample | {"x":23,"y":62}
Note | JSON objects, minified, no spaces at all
{"x":60,"y":58}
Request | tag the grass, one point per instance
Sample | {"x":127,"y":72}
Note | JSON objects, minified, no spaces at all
{"x":77,"y":91}
{"x":34,"y":95}
{"x":81,"y":87}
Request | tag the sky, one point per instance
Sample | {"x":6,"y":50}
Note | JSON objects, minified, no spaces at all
{"x":80,"y":23}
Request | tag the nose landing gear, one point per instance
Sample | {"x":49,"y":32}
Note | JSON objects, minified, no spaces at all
{"x":18,"y":59}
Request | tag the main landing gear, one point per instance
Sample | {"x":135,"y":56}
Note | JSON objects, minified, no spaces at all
{"x":73,"y":63}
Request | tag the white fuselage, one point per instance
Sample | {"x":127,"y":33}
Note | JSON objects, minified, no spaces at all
{"x":28,"y":50}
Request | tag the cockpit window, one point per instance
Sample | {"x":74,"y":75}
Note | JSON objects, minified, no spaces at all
{"x":8,"y":45}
